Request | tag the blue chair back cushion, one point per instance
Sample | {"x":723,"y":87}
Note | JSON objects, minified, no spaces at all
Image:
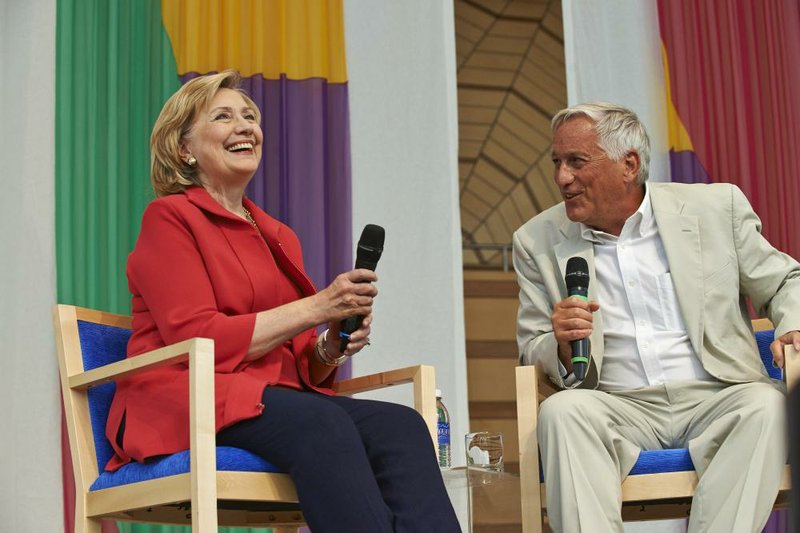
{"x":679,"y":460}
{"x":102,"y":345}
{"x":763,"y":340}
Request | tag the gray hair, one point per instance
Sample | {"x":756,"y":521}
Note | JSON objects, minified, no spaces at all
{"x":619,"y":131}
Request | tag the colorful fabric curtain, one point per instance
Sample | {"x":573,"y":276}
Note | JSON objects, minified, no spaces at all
{"x":117,"y":63}
{"x":733,"y":87}
{"x":732,"y":91}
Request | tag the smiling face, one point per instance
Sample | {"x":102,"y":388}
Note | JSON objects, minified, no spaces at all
{"x":597,"y":191}
{"x":226,"y":141}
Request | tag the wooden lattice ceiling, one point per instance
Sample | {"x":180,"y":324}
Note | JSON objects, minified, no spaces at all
{"x":511,"y":80}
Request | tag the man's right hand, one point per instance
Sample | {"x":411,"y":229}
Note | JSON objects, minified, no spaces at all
{"x":571,"y":320}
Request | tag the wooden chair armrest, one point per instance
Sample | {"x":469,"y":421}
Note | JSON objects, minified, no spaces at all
{"x":168,"y":355}
{"x":198,"y":353}
{"x":380,"y":380}
{"x":791,"y":366}
{"x":527,"y":413}
{"x":422,"y":377}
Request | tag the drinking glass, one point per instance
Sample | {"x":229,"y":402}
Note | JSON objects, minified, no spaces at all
{"x":484,"y":451}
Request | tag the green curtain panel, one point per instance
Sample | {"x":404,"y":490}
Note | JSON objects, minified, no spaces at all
{"x":114,"y":70}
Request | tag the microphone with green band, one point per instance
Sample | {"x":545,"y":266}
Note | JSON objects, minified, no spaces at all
{"x":577,"y":279}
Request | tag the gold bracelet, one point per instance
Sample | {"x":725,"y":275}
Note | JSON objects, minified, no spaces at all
{"x":322,"y":353}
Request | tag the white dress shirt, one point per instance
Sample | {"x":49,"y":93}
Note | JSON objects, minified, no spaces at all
{"x":646,"y":341}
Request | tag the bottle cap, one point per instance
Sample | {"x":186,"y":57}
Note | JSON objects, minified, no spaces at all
{"x":439,"y":393}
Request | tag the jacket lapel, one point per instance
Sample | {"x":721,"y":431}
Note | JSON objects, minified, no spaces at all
{"x":270,"y":229}
{"x":680,"y":235}
{"x":273,"y":233}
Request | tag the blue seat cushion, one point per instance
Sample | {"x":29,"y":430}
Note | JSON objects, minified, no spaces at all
{"x":228,"y":459}
{"x":655,"y":462}
{"x":660,"y":461}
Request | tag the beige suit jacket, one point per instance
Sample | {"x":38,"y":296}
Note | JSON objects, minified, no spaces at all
{"x":717,"y":257}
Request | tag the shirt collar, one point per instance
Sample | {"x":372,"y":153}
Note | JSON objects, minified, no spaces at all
{"x":638,"y":224}
{"x":269,"y":227}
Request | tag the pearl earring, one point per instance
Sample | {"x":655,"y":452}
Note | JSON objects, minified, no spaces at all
{"x":191,"y":161}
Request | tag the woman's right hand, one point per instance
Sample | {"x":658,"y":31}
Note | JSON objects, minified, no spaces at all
{"x":350,"y":294}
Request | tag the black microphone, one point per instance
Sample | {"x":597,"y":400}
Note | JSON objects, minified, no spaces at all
{"x":370,"y":248}
{"x":577,"y":279}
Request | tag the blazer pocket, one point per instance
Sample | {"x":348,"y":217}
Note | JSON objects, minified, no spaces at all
{"x":722,"y":274}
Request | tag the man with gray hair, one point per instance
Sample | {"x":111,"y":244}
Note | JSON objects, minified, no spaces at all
{"x":673,"y":362}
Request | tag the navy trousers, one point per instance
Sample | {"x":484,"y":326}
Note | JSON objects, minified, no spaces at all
{"x":358,"y":465}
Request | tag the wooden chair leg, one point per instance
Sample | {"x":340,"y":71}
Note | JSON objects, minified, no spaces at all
{"x":87,"y":525}
{"x":527,"y":412}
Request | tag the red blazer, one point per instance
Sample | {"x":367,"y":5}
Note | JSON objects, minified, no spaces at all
{"x":197,"y":271}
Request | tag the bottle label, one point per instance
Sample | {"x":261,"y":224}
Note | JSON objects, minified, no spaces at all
{"x":443,"y":433}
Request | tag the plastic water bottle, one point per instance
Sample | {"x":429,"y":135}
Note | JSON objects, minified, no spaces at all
{"x":443,"y":438}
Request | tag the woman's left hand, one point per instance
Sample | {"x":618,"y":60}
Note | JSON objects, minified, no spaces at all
{"x":358,"y":339}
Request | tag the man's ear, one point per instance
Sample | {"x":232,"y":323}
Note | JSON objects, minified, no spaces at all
{"x":632,"y":165}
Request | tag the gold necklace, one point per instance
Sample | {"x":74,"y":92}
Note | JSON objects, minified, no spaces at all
{"x":249,"y":217}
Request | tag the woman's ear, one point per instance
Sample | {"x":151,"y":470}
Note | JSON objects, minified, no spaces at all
{"x":183,"y":150}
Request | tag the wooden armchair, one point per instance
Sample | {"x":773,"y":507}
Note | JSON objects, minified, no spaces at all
{"x":662,"y":482}
{"x":205,"y":486}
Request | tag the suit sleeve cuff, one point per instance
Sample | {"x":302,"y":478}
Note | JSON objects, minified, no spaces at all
{"x":568,"y":377}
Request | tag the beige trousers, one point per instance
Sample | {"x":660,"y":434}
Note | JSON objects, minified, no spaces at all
{"x":590,"y":440}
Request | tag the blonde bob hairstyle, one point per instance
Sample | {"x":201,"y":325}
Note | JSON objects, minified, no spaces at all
{"x":170,"y":174}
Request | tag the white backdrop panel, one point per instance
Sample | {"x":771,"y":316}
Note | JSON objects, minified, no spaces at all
{"x":30,"y":449}
{"x":404,"y":130}
{"x":613,"y":53}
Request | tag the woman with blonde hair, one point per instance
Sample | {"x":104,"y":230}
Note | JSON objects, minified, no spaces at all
{"x":209,"y":263}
